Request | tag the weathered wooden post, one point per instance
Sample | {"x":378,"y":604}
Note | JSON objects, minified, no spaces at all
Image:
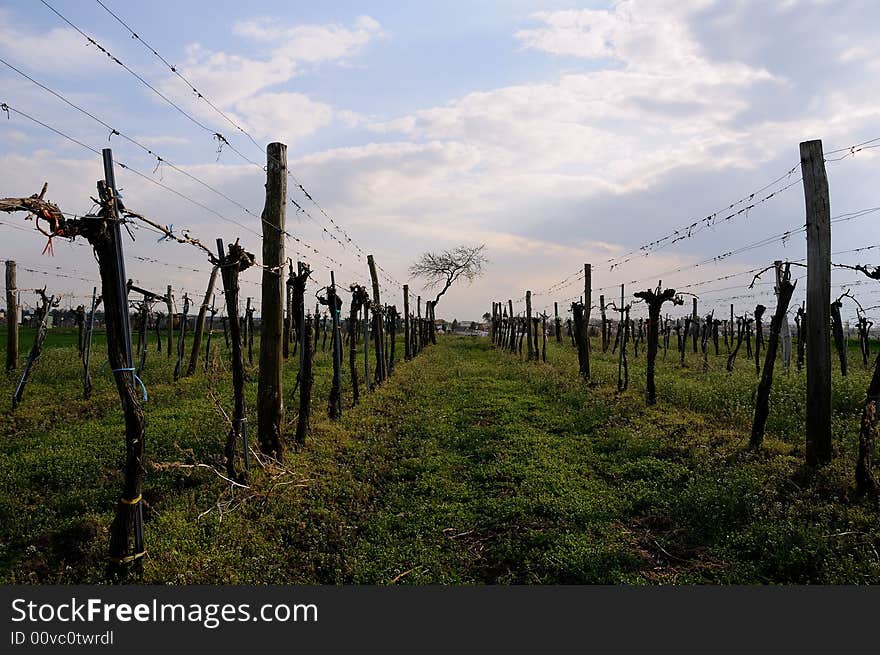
{"x":270,"y":399}
{"x":142,"y":335}
{"x":378,"y":332}
{"x":621,"y":326}
{"x":407,"y":346}
{"x":544,"y":337}
{"x":695,"y":324}
{"x":818,"y":392}
{"x":800,"y":321}
{"x":80,"y":322}
{"x":249,"y":329}
{"x":512,"y":322}
{"x":156,"y":325}
{"x":87,"y":355}
{"x":366,"y":323}
{"x":420,"y":331}
{"x":359,"y":296}
{"x":604,"y":323}
{"x":46,"y":305}
{"x":588,"y":286}
{"x":169,"y":304}
{"x":181,"y":336}
{"x":785,"y":289}
{"x":530,"y":348}
{"x":334,"y":304}
{"x":557,"y":324}
{"x":200,"y":324}
{"x":11,"y":317}
{"x":306,"y":378}
{"x":392,"y":330}
{"x":213,"y":312}
{"x":288,"y":312}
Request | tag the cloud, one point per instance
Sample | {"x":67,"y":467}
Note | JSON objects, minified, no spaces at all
{"x":228,"y":78}
{"x":238,"y":83}
{"x":57,"y":50}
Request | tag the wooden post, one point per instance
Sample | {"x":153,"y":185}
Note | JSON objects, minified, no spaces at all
{"x":270,"y":401}
{"x":378,"y":332}
{"x":87,"y":355}
{"x":46,"y":305}
{"x":200,"y":324}
{"x":334,"y":304}
{"x":288,"y":313}
{"x":588,"y":300}
{"x":695,"y":324}
{"x":512,"y":322}
{"x":530,"y":348}
{"x":306,"y":379}
{"x":621,"y":329}
{"x":81,"y":330}
{"x":169,"y":304}
{"x":366,"y":322}
{"x":839,"y":338}
{"x":249,"y":330}
{"x":818,"y":392}
{"x":417,"y":344}
{"x":407,"y":351}
{"x":544,"y":337}
{"x":392,"y":336}
{"x":11,"y":318}
{"x":213,"y":312}
{"x":359,"y":296}
{"x":557,"y":324}
{"x":181,"y":336}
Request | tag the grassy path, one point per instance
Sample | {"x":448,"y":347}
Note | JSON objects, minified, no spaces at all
{"x":468,"y":466}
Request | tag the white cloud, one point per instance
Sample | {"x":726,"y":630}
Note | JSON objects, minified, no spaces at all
{"x":227,"y":78}
{"x":58,"y":50}
{"x":238,"y":83}
{"x":285,"y":117}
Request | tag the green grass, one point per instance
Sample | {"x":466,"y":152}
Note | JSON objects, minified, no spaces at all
{"x":469,"y":466}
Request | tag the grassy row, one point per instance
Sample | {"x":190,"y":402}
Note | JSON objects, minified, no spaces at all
{"x":468,"y":466}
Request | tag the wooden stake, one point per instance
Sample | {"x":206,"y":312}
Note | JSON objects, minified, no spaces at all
{"x":407,"y":348}
{"x":270,"y":397}
{"x":818,"y":392}
{"x":587,"y":306}
{"x":200,"y":324}
{"x":11,"y":318}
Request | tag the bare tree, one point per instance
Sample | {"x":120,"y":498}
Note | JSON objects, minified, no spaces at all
{"x":443,"y":269}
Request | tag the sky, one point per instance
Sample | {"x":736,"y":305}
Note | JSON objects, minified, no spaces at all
{"x":555,"y":133}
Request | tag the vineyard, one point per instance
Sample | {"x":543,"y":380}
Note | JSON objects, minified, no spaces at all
{"x":265,"y":401}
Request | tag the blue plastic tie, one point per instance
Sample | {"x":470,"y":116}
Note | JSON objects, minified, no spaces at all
{"x":136,"y":379}
{"x":165,"y":237}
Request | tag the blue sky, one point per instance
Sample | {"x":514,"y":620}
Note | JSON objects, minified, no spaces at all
{"x":555,"y":132}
